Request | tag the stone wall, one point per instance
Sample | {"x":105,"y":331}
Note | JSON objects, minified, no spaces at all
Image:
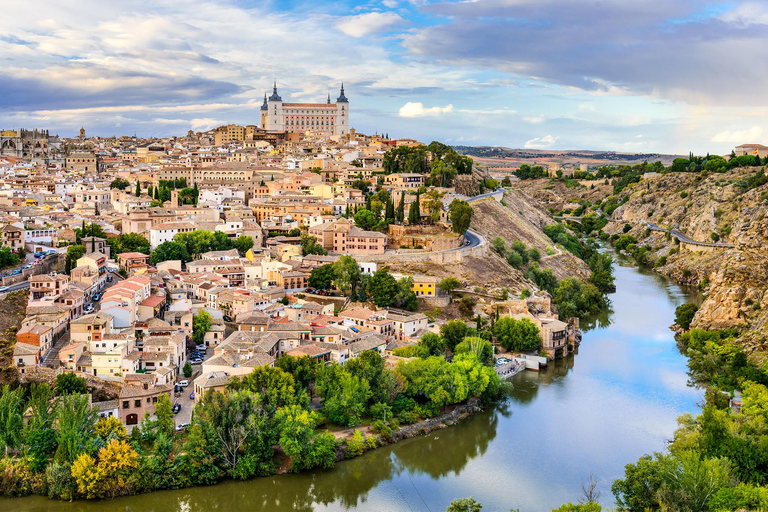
{"x":48,"y":375}
{"x":431,"y":238}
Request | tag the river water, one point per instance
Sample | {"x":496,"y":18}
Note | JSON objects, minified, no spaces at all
{"x":592,"y":413}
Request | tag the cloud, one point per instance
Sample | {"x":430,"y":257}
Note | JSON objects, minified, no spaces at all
{"x":651,"y":48}
{"x":369,"y":23}
{"x":412,"y":109}
{"x":541,"y":142}
{"x":753,"y":134}
{"x":204,"y":124}
{"x":535,"y":119}
{"x":746,"y":14}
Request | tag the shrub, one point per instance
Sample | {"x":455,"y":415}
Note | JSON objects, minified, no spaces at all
{"x":61,"y":484}
{"x":383,"y":430}
{"x":356,"y":445}
{"x":684,"y":315}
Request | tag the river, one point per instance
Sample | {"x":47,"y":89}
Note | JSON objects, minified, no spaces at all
{"x":592,"y":413}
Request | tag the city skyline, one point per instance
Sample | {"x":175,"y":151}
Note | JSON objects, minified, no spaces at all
{"x":667,"y":77}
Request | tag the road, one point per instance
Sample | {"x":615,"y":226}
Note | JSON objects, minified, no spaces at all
{"x":684,"y":238}
{"x":487,"y":194}
{"x":16,"y":287}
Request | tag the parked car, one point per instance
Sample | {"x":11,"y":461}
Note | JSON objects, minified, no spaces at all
{"x":97,"y":297}
{"x":176,"y":408}
{"x":227,"y":318}
{"x":109,"y":279}
{"x":4,"y":289}
{"x":195,"y":361}
{"x":201,"y":348}
{"x":26,"y":266}
{"x":192,"y":395}
{"x":178,"y":389}
{"x":184,"y":383}
{"x":181,"y":427}
{"x":89,"y":308}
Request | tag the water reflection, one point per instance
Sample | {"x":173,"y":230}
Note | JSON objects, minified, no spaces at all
{"x":347,"y":486}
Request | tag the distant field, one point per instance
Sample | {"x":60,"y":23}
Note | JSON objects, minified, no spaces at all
{"x":498,"y":158}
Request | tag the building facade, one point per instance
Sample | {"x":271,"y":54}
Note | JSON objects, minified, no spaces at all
{"x":317,"y":118}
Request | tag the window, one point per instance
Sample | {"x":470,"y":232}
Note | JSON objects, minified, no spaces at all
{"x":126,"y":404}
{"x":137,"y":403}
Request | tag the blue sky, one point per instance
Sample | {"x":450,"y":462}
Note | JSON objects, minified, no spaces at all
{"x":653,"y":76}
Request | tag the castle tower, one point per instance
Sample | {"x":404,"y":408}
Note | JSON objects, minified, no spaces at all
{"x":174,"y":198}
{"x":342,"y":113}
{"x":264,"y":113}
{"x":82,"y":133}
{"x":275,"y":111}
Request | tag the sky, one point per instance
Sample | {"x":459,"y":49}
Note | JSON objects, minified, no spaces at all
{"x":649,"y":76}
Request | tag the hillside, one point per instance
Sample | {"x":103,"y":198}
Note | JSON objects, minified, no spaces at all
{"x":734,"y":280}
{"x":14,"y":306}
{"x":523,"y":219}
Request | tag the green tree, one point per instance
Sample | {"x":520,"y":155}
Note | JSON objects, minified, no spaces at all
{"x":69,"y":383}
{"x":637,"y":490}
{"x":243,"y":244}
{"x":684,"y":315}
{"x":201,"y":324}
{"x":119,"y":184}
{"x":74,"y":253}
{"x":517,"y":335}
{"x":453,"y":332}
{"x":274,"y":387}
{"x":347,"y":273}
{"x":460,"y":213}
{"x":480,"y":348}
{"x":382,"y":288}
{"x":322,"y":277}
{"x":164,"y":415}
{"x":39,"y":436}
{"x":577,"y":299}
{"x":688,"y":480}
{"x":309,"y":246}
{"x":303,"y":369}
{"x":447,"y":286}
{"x":187,"y":370}
{"x":138,"y":189}
{"x":365,"y":219}
{"x":11,"y":423}
{"x":307,"y":448}
{"x":169,"y":251}
{"x":464,"y":505}
{"x":75,"y":420}
{"x":400,"y":213}
{"x":414,"y":213}
{"x":345,"y":401}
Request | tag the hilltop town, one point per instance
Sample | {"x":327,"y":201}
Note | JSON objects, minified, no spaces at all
{"x":168,"y":267}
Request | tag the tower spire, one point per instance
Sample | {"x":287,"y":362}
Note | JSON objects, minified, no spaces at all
{"x":342,"y":98}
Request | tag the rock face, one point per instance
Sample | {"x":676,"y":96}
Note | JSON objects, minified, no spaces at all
{"x":707,"y":208}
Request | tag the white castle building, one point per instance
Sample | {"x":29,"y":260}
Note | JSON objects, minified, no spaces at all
{"x":320,"y":118}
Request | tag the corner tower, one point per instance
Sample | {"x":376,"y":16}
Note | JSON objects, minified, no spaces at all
{"x":275,"y":111}
{"x":342,"y":113}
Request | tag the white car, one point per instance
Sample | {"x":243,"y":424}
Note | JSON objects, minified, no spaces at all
{"x":181,"y":426}
{"x":88,"y":308}
{"x":184,"y":383}
{"x":4,"y":288}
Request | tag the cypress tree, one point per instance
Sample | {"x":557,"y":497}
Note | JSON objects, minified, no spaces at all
{"x":138,"y":189}
{"x":390,"y":215}
{"x":157,"y":193}
{"x":414,"y":215}
{"x":149,"y":191}
{"x":401,"y":208}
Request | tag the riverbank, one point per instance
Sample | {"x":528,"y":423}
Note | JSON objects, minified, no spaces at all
{"x":618,"y":399}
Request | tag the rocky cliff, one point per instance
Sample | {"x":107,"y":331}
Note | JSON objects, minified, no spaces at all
{"x":708,"y":208}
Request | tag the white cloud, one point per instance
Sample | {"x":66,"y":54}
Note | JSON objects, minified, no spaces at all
{"x":535,"y":119}
{"x":541,"y":142}
{"x":489,"y":112}
{"x":390,"y":3}
{"x":746,"y":14}
{"x":740,"y":136}
{"x":203,"y":124}
{"x":369,"y":23}
{"x":586,"y":107}
{"x":417,"y":109}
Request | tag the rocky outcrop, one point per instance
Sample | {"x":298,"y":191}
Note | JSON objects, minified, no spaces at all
{"x":705,"y":208}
